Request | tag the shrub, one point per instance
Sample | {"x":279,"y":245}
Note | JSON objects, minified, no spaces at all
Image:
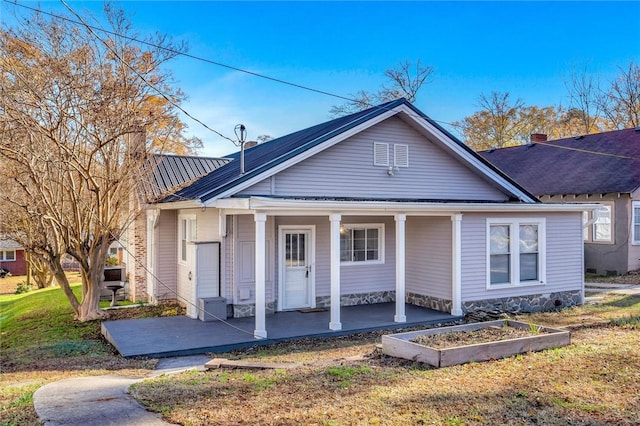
{"x":23,"y":287}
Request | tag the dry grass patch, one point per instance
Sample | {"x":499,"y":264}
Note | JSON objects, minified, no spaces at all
{"x":348,"y":381}
{"x":594,"y":381}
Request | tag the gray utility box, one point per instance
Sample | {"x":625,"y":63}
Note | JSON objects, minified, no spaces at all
{"x":212,"y":309}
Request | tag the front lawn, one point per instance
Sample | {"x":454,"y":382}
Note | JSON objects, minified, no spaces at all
{"x":343,"y":381}
{"x":40,"y":342}
{"x":348,"y":381}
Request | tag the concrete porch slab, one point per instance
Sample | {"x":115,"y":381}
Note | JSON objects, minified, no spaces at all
{"x":179,"y":335}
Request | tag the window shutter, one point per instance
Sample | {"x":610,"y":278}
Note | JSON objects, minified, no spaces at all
{"x":401,"y":155}
{"x":380,"y":154}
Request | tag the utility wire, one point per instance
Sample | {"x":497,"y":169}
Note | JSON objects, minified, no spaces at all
{"x":277,"y":80}
{"x":209,"y":61}
{"x":148,"y":83}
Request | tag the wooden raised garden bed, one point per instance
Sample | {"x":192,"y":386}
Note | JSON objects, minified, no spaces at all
{"x":445,"y":346}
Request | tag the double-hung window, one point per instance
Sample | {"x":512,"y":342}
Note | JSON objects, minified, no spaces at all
{"x":602,"y":225}
{"x":362,"y":243}
{"x":515,"y":252}
{"x":8,"y":255}
{"x":186,"y":234}
{"x":635,"y":223}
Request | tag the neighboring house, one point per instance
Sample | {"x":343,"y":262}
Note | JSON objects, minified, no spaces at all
{"x":600,"y":168}
{"x":378,"y":206}
{"x":12,"y":257}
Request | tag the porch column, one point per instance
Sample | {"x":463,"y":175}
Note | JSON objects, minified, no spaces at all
{"x":456,"y":264}
{"x":335,"y":323}
{"x":400,"y":268}
{"x":260,"y":331}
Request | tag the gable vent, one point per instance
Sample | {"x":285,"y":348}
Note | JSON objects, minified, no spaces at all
{"x":401,"y":155}
{"x":380,"y":154}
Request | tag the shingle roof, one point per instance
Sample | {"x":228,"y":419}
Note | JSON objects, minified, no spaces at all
{"x":263,"y":157}
{"x":170,"y":172}
{"x":593,"y":164}
{"x":8,"y":244}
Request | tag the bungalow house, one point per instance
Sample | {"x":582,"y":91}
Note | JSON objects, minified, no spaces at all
{"x":383,"y":205}
{"x":12,"y":257}
{"x":600,"y":168}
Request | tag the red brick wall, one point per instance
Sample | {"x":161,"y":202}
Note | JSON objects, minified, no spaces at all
{"x":17,"y":267}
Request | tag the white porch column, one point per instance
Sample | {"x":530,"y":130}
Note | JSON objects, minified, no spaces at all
{"x":260,"y":331}
{"x":335,"y":323}
{"x":456,"y":264}
{"x":400,"y":268}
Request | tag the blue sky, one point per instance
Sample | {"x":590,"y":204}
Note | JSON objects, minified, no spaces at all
{"x":528,"y":49}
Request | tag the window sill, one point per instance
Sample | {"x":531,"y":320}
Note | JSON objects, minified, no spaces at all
{"x":362,"y":263}
{"x":517,"y":285}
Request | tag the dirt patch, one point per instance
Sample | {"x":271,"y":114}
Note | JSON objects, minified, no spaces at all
{"x":472,"y":337}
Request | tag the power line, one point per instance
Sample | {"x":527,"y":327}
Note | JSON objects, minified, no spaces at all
{"x":209,"y":61}
{"x":161,"y":93}
{"x":255,"y":74}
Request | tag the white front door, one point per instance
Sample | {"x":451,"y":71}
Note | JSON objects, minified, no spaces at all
{"x":296,"y":289}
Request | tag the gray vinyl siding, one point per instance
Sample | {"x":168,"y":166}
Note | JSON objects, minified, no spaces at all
{"x":166,"y":255}
{"x":428,"y":256}
{"x":347,"y":170}
{"x":563,"y":257}
{"x":604,"y":257}
{"x":244,"y":245}
{"x":354,"y":278}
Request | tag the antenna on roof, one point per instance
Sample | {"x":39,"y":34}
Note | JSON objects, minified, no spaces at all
{"x":241,"y":134}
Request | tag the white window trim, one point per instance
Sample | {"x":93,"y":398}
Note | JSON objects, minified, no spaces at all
{"x":610,"y":208}
{"x":3,"y":256}
{"x":635,"y":238}
{"x":184,"y":260}
{"x":381,"y":239}
{"x":514,"y":249}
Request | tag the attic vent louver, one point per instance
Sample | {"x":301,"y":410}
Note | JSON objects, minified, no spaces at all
{"x":401,"y":155}
{"x":380,"y":154}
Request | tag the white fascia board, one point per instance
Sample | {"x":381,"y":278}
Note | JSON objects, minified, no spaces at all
{"x":309,"y":207}
{"x":229,"y":203}
{"x":178,"y":205}
{"x":304,"y":155}
{"x":465,"y":155}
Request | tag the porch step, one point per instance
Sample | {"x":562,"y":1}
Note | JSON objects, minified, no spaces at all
{"x":228,"y":363}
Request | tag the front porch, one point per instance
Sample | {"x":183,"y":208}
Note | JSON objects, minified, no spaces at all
{"x":178,"y":336}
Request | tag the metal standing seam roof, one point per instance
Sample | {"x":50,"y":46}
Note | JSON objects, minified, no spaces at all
{"x":173,"y":171}
{"x":262,"y":157}
{"x":599,"y":163}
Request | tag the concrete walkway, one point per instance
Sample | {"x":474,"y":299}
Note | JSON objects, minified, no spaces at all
{"x":104,"y":400}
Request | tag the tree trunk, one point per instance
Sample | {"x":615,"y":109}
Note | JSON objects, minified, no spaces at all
{"x":63,"y":282}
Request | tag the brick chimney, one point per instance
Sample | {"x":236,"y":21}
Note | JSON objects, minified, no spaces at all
{"x":538,"y":137}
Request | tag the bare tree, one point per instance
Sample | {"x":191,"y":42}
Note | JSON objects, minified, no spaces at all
{"x":73,"y":107}
{"x":403,"y":81}
{"x":621,"y":103}
{"x":584,"y":104}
